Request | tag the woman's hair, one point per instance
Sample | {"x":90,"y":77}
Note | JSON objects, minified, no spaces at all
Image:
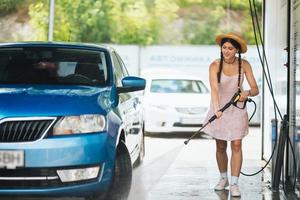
{"x":238,"y":47}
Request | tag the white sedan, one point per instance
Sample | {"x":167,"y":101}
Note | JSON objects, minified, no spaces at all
{"x":174,"y":103}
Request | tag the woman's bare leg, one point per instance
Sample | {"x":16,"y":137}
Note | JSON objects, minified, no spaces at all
{"x":236,"y":157}
{"x":221,"y":155}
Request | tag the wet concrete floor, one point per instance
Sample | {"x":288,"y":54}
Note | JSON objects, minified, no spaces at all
{"x":174,"y":171}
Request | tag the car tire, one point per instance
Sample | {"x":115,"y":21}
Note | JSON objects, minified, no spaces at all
{"x":121,"y":182}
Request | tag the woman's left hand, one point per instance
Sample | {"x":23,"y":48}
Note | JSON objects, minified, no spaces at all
{"x":244,"y":95}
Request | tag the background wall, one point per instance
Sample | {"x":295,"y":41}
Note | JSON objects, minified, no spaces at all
{"x":276,"y":42}
{"x":190,"y":59}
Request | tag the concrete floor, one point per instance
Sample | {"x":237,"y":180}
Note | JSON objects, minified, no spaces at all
{"x":174,"y":171}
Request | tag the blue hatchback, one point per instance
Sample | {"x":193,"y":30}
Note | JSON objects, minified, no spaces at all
{"x":70,"y":121}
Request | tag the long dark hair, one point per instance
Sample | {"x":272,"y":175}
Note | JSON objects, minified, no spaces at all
{"x":238,"y":47}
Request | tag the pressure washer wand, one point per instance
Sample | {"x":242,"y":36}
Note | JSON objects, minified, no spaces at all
{"x":233,"y":100}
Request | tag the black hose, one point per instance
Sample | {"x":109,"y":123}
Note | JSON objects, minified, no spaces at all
{"x":273,"y":150}
{"x":294,"y":159}
{"x":254,"y":111}
{"x":268,"y":79}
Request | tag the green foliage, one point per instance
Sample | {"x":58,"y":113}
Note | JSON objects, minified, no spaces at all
{"x":7,"y":6}
{"x":202,"y":28}
{"x":163,"y":15}
{"x":83,"y":21}
{"x":104,"y":21}
{"x":134,"y":25}
{"x":142,"y":22}
{"x":39,"y":15}
{"x":208,"y":18}
{"x":188,"y":3}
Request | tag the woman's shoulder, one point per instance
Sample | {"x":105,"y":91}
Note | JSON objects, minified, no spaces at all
{"x":246,"y":65}
{"x":215,"y":62}
{"x":214,"y":65}
{"x":245,"y":62}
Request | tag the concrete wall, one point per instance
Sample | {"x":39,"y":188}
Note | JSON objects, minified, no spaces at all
{"x":275,"y":43}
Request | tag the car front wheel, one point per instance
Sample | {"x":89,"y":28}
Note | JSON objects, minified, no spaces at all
{"x":121,"y":183}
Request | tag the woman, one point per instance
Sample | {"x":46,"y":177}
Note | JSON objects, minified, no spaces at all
{"x":226,"y":77}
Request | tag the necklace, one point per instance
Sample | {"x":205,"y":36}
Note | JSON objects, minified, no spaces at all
{"x":230,"y":62}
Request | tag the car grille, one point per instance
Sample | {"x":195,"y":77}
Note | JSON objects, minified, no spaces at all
{"x":24,"y":129}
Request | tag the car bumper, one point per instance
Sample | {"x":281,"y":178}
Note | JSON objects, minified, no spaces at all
{"x":167,"y":122}
{"x":169,"y":128}
{"x":43,"y":158}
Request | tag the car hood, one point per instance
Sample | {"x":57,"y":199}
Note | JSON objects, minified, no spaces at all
{"x":17,"y":101}
{"x":179,"y":100}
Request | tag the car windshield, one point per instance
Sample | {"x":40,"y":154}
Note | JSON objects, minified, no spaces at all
{"x":177,"y":86}
{"x":53,"y":66}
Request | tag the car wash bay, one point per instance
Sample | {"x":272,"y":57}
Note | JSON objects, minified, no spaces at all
{"x":174,"y":171}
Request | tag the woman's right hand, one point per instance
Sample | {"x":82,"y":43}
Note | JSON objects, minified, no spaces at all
{"x":218,"y":114}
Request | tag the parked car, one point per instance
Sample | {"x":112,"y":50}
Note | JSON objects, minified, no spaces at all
{"x":70,"y":121}
{"x":174,"y":103}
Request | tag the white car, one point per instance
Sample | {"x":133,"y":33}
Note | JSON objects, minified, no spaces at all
{"x":174,"y":103}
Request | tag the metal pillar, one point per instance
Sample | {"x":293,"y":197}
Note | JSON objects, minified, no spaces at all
{"x":51,"y":20}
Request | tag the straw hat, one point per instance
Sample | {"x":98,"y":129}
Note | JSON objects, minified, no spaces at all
{"x":235,"y":37}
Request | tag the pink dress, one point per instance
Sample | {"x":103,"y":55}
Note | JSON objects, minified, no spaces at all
{"x":233,"y":124}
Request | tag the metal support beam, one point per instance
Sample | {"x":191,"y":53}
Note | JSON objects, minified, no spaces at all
{"x":51,"y":20}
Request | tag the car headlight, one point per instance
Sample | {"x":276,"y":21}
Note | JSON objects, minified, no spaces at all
{"x":79,"y":124}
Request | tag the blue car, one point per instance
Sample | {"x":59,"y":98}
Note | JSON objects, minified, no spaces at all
{"x":70,"y":121}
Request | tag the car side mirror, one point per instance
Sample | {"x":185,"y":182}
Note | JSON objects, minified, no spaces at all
{"x":131,"y":84}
